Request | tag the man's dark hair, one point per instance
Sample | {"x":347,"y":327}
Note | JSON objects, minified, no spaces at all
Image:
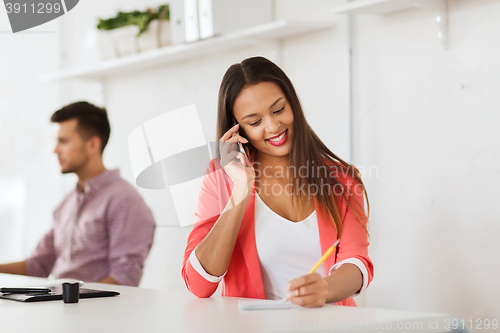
{"x":92,"y":120}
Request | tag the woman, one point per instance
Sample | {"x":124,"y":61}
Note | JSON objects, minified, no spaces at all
{"x":284,"y":204}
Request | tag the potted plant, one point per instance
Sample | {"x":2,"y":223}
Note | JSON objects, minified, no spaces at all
{"x":132,"y":32}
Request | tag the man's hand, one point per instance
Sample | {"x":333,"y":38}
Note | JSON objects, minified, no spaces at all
{"x":18,"y":268}
{"x":109,"y":280}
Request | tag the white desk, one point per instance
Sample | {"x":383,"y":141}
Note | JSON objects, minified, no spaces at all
{"x":147,"y":310}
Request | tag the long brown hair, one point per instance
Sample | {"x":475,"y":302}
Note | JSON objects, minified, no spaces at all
{"x":306,"y":146}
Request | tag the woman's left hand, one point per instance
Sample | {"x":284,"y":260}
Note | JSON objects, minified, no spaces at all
{"x":310,"y":290}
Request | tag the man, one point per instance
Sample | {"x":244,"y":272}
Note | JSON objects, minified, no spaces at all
{"x":103,"y":230}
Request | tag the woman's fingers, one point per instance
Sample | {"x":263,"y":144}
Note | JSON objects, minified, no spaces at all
{"x":303,"y":290}
{"x":233,"y":159}
{"x":309,"y":290}
{"x":301,"y":281}
{"x":229,"y":146}
{"x":230,"y":133}
{"x":228,"y":158}
{"x":234,"y":139}
{"x":309,"y":301}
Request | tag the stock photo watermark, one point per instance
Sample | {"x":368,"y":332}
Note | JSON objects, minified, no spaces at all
{"x":417,"y":325}
{"x":26,"y":14}
{"x":309,"y":171}
{"x":171,"y":152}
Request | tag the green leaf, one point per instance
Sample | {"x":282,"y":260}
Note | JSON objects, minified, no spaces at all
{"x":138,"y":18}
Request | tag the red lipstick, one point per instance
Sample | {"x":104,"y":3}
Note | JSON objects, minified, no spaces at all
{"x":282,"y":139}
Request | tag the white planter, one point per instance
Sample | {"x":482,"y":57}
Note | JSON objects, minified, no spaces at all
{"x":124,"y":41}
{"x":106,"y":45}
{"x":118,"y":42}
{"x":157,"y":35}
{"x":148,"y":40}
{"x":164,"y":33}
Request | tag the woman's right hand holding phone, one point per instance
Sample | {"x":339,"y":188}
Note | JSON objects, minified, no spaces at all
{"x":234,"y":162}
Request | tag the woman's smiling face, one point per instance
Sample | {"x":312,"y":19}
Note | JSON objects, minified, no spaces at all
{"x":266,"y":117}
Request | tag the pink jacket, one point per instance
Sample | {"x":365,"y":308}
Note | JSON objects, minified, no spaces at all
{"x":243,"y":277}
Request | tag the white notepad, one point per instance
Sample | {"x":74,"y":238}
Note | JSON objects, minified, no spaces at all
{"x":263,"y":304}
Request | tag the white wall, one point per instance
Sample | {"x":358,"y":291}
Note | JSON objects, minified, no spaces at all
{"x":428,"y":119}
{"x":424,"y":117}
{"x":30,"y":184}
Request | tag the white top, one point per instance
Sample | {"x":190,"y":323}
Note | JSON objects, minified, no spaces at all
{"x":275,"y":236}
{"x":286,"y":249}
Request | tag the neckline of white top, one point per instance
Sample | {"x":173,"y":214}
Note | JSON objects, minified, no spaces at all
{"x":281,"y":217}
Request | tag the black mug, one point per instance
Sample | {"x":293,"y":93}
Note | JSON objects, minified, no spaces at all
{"x":71,"y":292}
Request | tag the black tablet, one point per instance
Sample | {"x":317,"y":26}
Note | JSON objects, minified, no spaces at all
{"x":57,"y":294}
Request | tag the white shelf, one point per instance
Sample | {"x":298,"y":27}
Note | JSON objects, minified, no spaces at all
{"x":373,"y":7}
{"x":271,"y":31}
{"x":383,"y":7}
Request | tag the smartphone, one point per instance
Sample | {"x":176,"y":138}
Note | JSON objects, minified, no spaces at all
{"x":240,"y":146}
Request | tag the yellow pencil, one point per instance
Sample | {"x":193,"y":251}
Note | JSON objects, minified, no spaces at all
{"x":323,"y":258}
{"x":326,"y":255}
